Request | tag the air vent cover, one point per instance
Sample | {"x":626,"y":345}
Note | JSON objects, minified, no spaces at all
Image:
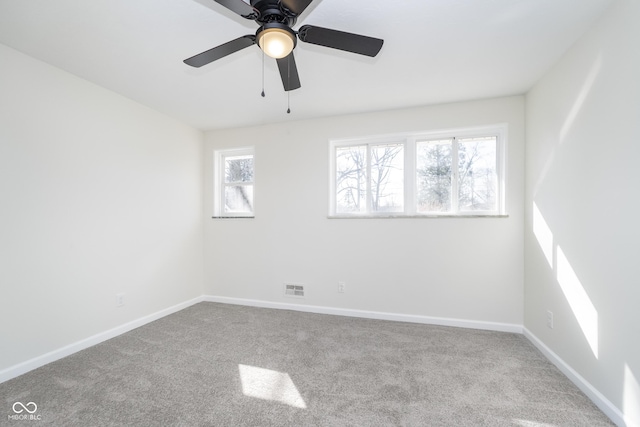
{"x":293,"y":290}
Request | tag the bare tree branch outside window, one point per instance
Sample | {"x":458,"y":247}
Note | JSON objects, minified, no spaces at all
{"x":351,"y":184}
{"x":387,"y":178}
{"x":238,"y":191}
{"x":478,"y":179}
{"x":434,"y":176}
{"x":385,"y":184}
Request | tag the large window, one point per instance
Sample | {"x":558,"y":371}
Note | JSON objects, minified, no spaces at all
{"x":234,"y":183}
{"x":444,"y":173}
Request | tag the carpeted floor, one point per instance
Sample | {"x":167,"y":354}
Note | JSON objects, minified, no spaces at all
{"x":225,"y":365}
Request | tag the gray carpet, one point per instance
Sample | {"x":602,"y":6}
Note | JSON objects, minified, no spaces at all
{"x":224,"y":365}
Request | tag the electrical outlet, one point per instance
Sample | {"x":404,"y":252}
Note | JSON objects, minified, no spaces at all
{"x":342,"y":287}
{"x":119,"y":300}
{"x":550,"y":319}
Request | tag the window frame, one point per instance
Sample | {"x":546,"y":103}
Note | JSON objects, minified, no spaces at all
{"x":410,"y":141}
{"x":219,"y":183}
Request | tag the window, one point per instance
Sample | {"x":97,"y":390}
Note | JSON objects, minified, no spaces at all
{"x":457,"y":175}
{"x":233,"y":183}
{"x":443,"y":173}
{"x":369,"y":177}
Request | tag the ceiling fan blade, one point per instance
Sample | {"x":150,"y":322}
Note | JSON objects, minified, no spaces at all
{"x":295,"y":6}
{"x":335,"y":39}
{"x":221,"y":51}
{"x":289,"y":72}
{"x":241,"y":8}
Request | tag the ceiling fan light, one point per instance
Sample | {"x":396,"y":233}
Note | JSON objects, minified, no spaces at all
{"x":276,"y":42}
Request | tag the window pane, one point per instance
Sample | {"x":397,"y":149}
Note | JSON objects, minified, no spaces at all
{"x":238,"y":199}
{"x":238,"y":168}
{"x":434,"y":175}
{"x":351,"y":184}
{"x":477,"y":175}
{"x":387,"y":178}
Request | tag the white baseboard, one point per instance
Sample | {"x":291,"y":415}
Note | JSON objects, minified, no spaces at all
{"x":410,"y":318}
{"x":52,"y":356}
{"x":596,"y":397}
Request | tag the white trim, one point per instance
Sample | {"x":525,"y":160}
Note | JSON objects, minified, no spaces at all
{"x":592,"y":393}
{"x":52,"y":356}
{"x":365,"y":314}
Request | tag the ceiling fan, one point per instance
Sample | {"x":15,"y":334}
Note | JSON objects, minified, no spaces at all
{"x":277,"y":39}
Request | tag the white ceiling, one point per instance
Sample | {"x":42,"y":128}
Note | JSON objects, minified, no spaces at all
{"x":435,"y":51}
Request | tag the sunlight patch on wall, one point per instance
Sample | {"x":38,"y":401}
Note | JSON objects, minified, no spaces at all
{"x":545,"y":169}
{"x":631,"y":398}
{"x":570,"y":119}
{"x":582,"y":96}
{"x":543,"y":234}
{"x":270,"y":385}
{"x":579,"y":301}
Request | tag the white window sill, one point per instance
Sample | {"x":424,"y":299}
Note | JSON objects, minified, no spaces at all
{"x":416,"y":216}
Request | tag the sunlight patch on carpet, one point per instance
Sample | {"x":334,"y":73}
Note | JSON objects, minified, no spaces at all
{"x":527,"y":423}
{"x":270,"y":385}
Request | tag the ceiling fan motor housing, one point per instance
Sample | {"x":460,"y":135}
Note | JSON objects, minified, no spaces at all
{"x":278,"y":26}
{"x":273,"y":11}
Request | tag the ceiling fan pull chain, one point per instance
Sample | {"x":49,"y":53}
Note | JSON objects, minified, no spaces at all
{"x":262,"y":74}
{"x":289,"y":85}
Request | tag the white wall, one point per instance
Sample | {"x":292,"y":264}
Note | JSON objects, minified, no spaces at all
{"x":581,"y":244}
{"x":98,"y":196}
{"x":460,"y":268}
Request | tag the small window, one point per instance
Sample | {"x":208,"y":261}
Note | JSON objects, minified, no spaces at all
{"x":234,"y":183}
{"x":441,"y":173}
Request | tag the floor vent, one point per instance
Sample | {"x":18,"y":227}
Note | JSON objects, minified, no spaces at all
{"x":291,"y":290}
